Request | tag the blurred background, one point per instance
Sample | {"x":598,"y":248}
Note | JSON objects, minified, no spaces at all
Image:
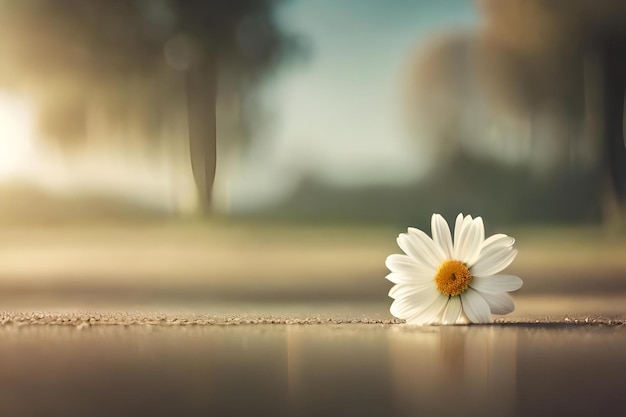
{"x":159,"y":150}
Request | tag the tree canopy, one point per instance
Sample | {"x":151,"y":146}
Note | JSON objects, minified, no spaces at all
{"x":68,"y":53}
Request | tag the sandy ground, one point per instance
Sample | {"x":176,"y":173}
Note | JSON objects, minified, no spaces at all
{"x":294,"y":315}
{"x":530,"y":310}
{"x":81,"y":320}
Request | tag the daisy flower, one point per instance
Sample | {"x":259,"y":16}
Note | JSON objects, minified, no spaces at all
{"x":441,"y":281}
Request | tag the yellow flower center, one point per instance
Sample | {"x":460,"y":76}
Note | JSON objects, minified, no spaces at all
{"x":452,"y":278}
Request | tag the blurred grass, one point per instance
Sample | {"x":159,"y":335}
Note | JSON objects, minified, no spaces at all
{"x":250,"y":260}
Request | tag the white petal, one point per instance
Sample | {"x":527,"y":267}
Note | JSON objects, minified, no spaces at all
{"x":493,"y":238}
{"x":468,"y":240}
{"x":409,"y":278}
{"x":403,"y":307}
{"x":439,"y":318}
{"x":414,"y":303}
{"x":441,"y":234}
{"x":493,"y":261}
{"x":404,"y":290}
{"x":414,"y":249}
{"x":473,"y":242}
{"x":458,"y":223}
{"x":407,"y":265}
{"x":453,"y":312}
{"x":431,"y":312}
{"x":496,"y":283}
{"x":467,"y":246}
{"x":463,"y":318}
{"x":475,"y":307}
{"x":459,"y":230}
{"x":497,"y":241}
{"x":500,"y":303}
{"x":434,"y":250}
{"x":419,"y":246}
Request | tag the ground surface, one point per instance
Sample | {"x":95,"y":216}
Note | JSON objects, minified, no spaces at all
{"x":262,"y":261}
{"x":257,"y":319}
{"x":553,"y":356}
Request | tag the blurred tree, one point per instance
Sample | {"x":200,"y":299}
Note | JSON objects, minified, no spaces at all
{"x":65,"y":52}
{"x":538,"y":87}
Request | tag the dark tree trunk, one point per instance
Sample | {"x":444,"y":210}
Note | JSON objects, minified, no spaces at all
{"x":201,"y":86}
{"x":614,"y":89}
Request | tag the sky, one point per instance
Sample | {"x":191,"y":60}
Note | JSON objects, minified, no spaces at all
{"x":339,"y":112}
{"x":336,"y":115}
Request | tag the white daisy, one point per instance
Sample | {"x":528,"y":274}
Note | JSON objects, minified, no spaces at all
{"x":441,"y":282}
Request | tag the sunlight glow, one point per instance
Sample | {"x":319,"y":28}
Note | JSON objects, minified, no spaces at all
{"x":17,"y":126}
{"x":163,"y":183}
